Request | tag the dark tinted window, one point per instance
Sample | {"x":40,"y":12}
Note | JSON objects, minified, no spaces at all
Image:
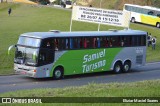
{"x":74,"y":43}
{"x":46,"y":56}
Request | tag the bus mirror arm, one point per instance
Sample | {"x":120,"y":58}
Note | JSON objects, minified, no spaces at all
{"x":9,"y":49}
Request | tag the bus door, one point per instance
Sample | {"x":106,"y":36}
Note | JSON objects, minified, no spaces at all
{"x":46,"y":52}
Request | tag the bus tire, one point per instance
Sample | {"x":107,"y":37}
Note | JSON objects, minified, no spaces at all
{"x":158,"y":25}
{"x":126,"y":66}
{"x":117,"y":67}
{"x":58,"y":73}
{"x":133,"y":20}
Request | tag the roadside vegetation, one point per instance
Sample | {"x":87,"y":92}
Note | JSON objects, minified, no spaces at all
{"x":136,"y":89}
{"x":117,"y":4}
{"x":37,"y":18}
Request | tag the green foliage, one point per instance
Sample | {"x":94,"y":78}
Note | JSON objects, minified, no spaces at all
{"x":156,"y":3}
{"x":43,"y":2}
{"x":136,"y":89}
{"x":118,"y":4}
{"x":58,"y":2}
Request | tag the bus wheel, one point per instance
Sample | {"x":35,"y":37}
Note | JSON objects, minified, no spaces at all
{"x":133,"y":20}
{"x":117,"y":67}
{"x":158,"y":25}
{"x":126,"y":66}
{"x":58,"y":73}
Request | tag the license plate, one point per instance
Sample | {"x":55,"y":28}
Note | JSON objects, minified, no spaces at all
{"x":23,"y":72}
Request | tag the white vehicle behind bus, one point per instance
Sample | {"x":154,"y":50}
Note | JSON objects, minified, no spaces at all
{"x":144,"y":14}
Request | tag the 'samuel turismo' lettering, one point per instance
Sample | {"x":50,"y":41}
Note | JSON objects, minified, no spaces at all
{"x":88,"y":58}
{"x":92,"y":66}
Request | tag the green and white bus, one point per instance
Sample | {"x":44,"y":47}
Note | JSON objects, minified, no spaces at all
{"x":144,"y":14}
{"x":56,"y":54}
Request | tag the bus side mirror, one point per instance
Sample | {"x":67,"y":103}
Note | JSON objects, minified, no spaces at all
{"x":10,"y":48}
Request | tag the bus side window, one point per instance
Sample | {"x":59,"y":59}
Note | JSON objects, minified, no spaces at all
{"x":81,"y":42}
{"x":110,"y":42}
{"x":47,"y":43}
{"x":135,"y":40}
{"x":115,"y":41}
{"x":102,"y":42}
{"x":125,"y":40}
{"x":98,"y":42}
{"x":122,"y":41}
{"x":89,"y":42}
{"x":143,"y":41}
{"x":56,"y":44}
{"x":67,"y":43}
{"x":61,"y":45}
{"x":150,"y":13}
{"x":94,"y":42}
{"x":85,"y":43}
{"x":130,"y":40}
{"x":71,"y":43}
{"x":78,"y":42}
{"x":106,"y":42}
{"x":64,"y":43}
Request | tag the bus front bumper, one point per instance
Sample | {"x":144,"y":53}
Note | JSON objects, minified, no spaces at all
{"x":26,"y":73}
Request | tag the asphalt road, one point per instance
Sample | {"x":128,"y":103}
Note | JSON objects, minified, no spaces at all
{"x":150,"y":71}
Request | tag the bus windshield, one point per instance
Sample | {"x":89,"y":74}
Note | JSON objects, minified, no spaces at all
{"x":27,"y":41}
{"x":27,"y":56}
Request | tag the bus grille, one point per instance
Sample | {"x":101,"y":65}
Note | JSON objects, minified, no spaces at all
{"x":139,"y":59}
{"x":23,"y":69}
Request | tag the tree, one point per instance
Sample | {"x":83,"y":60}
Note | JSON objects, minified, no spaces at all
{"x":42,"y":1}
{"x":57,"y":2}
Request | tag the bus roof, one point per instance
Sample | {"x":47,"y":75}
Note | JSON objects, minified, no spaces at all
{"x":145,"y":7}
{"x":43,"y":35}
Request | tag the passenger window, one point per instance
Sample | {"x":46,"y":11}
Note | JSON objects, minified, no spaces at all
{"x":47,"y":43}
{"x":98,"y":42}
{"x":56,"y":46}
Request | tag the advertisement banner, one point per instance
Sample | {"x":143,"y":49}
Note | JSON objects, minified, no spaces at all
{"x":101,"y":16}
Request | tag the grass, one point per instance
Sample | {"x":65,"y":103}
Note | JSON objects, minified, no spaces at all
{"x":31,"y":18}
{"x":117,"y":4}
{"x":136,"y":89}
{"x":110,"y":4}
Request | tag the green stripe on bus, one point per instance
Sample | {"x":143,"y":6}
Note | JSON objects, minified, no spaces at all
{"x":86,"y":61}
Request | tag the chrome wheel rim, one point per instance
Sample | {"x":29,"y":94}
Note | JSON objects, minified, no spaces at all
{"x":126,"y":67}
{"x":58,"y":74}
{"x":118,"y":68}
